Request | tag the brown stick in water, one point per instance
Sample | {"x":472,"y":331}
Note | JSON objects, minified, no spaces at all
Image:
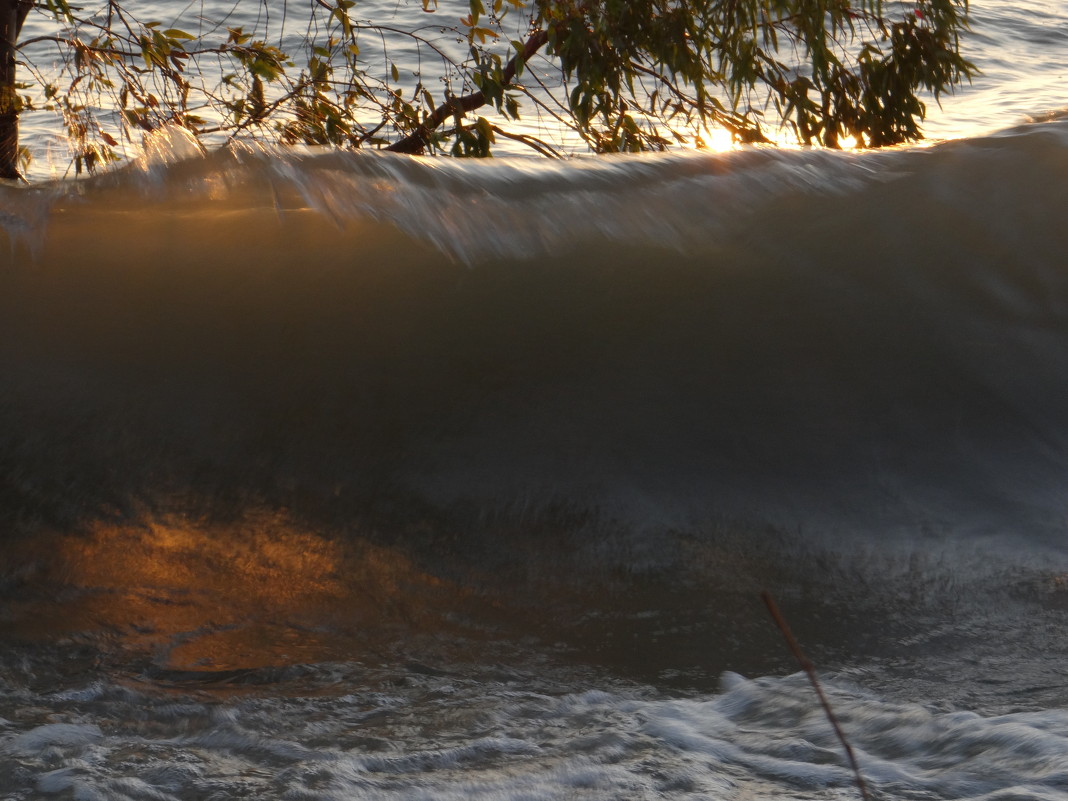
{"x":810,"y":671}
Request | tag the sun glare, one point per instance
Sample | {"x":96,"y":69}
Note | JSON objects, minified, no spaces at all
{"x":719,"y":139}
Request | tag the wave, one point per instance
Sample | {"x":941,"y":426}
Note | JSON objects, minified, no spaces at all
{"x":266,"y":411}
{"x":871,"y":342}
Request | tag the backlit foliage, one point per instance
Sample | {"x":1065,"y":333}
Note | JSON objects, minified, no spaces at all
{"x":620,"y":75}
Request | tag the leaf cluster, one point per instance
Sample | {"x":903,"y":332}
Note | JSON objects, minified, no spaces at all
{"x":824,"y":69}
{"x":620,"y":75}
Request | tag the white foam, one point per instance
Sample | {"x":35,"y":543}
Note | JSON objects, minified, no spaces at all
{"x":61,"y":735}
{"x":465,"y":740}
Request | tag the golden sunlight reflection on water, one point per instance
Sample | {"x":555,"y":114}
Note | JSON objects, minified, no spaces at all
{"x":257,"y":593}
{"x":720,"y":140}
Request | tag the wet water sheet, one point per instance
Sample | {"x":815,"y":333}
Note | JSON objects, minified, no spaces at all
{"x":328,"y":477}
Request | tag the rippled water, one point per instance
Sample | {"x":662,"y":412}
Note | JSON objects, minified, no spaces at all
{"x":1022,"y":51}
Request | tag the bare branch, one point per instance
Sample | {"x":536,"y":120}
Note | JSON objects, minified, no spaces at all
{"x":810,"y":671}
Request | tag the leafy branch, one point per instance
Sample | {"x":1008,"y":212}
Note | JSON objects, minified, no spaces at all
{"x":622,"y":75}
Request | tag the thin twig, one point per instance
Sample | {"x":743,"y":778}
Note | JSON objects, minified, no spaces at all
{"x":810,"y":671}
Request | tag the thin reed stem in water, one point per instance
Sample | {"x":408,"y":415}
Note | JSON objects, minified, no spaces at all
{"x":810,"y":671}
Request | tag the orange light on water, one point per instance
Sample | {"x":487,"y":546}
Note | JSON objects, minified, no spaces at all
{"x":259,"y":592}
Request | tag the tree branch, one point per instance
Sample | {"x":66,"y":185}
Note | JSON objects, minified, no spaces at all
{"x":417,"y":141}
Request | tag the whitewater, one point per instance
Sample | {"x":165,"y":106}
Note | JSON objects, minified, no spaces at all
{"x":332,"y":475}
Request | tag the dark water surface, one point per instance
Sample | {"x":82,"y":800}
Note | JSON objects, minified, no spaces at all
{"x":332,"y":477}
